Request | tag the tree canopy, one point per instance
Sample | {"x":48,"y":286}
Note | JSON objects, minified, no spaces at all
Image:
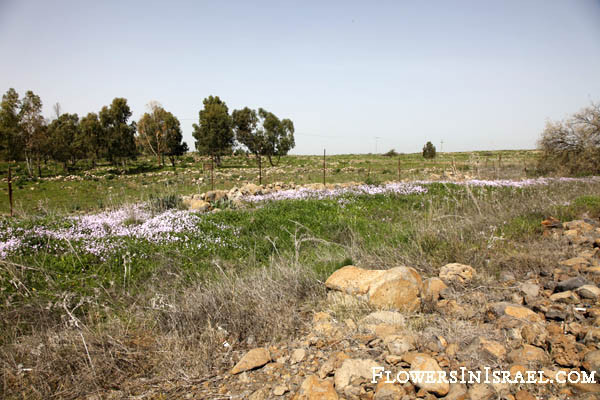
{"x":429,"y":150}
{"x":214,"y":133}
{"x":159,"y":133}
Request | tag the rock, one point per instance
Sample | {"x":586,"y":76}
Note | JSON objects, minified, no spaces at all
{"x":528,"y":354}
{"x":586,"y":387}
{"x":451,"y":307}
{"x":352,"y":280}
{"x":496,"y":310}
{"x":458,"y":391}
{"x":565,"y":351}
{"x":423,"y":362}
{"x":388,"y":391}
{"x":588,"y":292}
{"x":215,"y":195}
{"x":506,"y":276}
{"x":400,"y":344}
{"x":332,"y":363}
{"x":571,"y":284}
{"x":251,"y":189}
{"x":280,"y":390}
{"x":481,"y":391}
{"x":432,"y":288}
{"x":567,"y":297}
{"x":313,"y":388}
{"x":384,"y":317}
{"x":352,"y":369}
{"x":593,"y":336}
{"x":534,"y":334}
{"x":591,"y":361}
{"x":198,"y":205}
{"x":524,"y":395}
{"x":397,"y":288}
{"x":255,"y":358}
{"x":579,"y":225}
{"x":297,"y":356}
{"x":493,"y":348}
{"x":529,"y":289}
{"x":456,"y":272}
{"x":260,"y":394}
{"x":575,"y":262}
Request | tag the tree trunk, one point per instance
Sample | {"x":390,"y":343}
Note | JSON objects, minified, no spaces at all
{"x":271,"y":160}
{"x":39,"y":167}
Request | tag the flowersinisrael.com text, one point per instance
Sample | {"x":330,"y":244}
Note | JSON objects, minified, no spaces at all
{"x":487,"y":375}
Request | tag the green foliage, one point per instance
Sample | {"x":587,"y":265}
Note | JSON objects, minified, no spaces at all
{"x":391,"y":153}
{"x":119,"y":133}
{"x":429,"y":150}
{"x":159,"y":134}
{"x":214,"y":133}
{"x":93,"y":136}
{"x":66,"y":139}
{"x":279,"y":135}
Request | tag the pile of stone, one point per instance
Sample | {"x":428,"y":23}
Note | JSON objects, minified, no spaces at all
{"x":206,"y":201}
{"x":547,"y":321}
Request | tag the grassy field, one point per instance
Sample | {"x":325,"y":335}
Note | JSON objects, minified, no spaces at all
{"x":85,"y":189}
{"x":138,"y":295}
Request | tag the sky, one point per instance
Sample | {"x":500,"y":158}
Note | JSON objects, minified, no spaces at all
{"x":353,"y":76}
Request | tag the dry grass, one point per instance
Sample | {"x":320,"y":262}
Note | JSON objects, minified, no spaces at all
{"x":168,"y":338}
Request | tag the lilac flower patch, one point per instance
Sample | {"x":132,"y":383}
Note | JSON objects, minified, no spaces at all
{"x":399,"y":188}
{"x":103,"y":234}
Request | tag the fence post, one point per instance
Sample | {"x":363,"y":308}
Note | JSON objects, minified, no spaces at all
{"x":212,"y":171}
{"x":259,"y":170}
{"x":323,"y":167}
{"x":10,"y":193}
{"x":399,"y":174}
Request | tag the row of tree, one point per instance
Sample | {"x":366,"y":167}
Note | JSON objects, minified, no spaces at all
{"x":261,"y":132}
{"x":25,"y":135}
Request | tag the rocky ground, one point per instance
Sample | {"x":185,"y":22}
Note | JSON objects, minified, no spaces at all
{"x":546,"y":320}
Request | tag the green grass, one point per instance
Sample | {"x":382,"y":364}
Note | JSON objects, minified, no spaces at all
{"x":106,"y":185}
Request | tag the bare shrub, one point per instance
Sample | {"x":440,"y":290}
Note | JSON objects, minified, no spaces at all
{"x":572,"y":146}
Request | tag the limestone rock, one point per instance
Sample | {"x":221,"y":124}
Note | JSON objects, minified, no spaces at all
{"x":397,"y":288}
{"x":297,"y":356}
{"x":432,"y":288}
{"x":481,"y":391}
{"x":313,"y":388}
{"x":528,"y":354}
{"x":400,"y":344}
{"x":255,"y":358}
{"x":589,"y":292}
{"x":567,"y":297}
{"x":423,"y":362}
{"x":571,"y":284}
{"x":352,"y":369}
{"x":456,"y":272}
{"x":496,"y":310}
{"x":493,"y":348}
{"x":388,"y":391}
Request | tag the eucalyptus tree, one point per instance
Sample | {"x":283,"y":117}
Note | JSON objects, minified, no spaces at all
{"x":33,"y":130}
{"x":159,"y":134}
{"x":119,"y":133}
{"x":279,"y":135}
{"x":213,"y":133}
{"x":11,"y":145}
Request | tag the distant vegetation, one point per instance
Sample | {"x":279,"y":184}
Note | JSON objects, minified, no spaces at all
{"x":429,"y":150}
{"x":572,"y":146}
{"x":25,"y":135}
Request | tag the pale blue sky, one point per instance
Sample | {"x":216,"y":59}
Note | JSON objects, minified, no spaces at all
{"x":475,"y":74}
